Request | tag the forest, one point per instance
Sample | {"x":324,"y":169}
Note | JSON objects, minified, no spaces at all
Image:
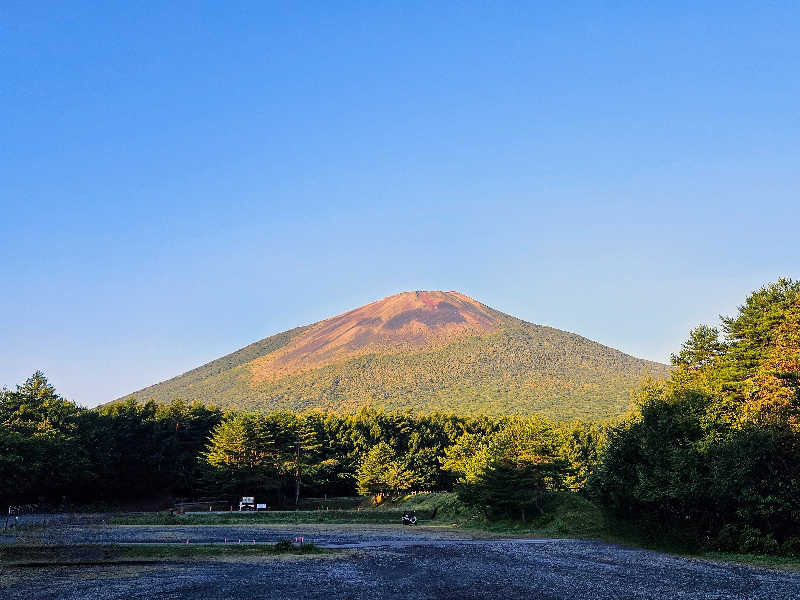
{"x":709,"y":456}
{"x":58,"y":453}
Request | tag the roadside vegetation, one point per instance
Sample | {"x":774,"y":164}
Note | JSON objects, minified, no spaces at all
{"x":573,"y":515}
{"x":706,"y":462}
{"x":96,"y":554}
{"x":288,"y":517}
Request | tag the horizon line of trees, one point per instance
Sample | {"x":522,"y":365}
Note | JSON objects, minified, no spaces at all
{"x":55,"y":452}
{"x":709,"y":456}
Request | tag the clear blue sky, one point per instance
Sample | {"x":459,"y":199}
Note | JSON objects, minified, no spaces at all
{"x":178,"y":182}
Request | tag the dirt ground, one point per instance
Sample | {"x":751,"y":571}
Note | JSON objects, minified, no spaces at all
{"x":386,"y":562}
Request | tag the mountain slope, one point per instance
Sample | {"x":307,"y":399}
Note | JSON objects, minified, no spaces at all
{"x":423,"y":351}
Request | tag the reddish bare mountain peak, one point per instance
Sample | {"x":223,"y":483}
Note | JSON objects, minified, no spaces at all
{"x":405,"y":321}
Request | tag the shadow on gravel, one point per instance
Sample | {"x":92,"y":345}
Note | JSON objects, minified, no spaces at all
{"x":83,"y":563}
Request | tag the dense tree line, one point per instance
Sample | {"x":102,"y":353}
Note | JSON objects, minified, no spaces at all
{"x":713,"y":454}
{"x":283,"y":455}
{"x":52,"y":450}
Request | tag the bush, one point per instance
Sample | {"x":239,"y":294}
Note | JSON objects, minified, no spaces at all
{"x":284,"y":546}
{"x":755,"y":541}
{"x":726,"y":540}
{"x":791,"y":547}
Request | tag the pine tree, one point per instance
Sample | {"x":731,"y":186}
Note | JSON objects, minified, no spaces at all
{"x":306,"y":451}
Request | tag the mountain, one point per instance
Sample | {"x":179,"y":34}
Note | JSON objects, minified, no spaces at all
{"x":424,"y":351}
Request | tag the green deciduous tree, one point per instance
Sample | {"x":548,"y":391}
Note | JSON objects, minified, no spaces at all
{"x":509,"y":472}
{"x":382,"y":473}
{"x":715,"y":451}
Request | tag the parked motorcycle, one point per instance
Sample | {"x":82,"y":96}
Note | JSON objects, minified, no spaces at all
{"x":410,"y":518}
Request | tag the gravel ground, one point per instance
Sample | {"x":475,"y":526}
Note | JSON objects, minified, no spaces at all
{"x":388,"y":562}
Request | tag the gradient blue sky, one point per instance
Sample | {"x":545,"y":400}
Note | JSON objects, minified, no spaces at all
{"x":176,"y":182}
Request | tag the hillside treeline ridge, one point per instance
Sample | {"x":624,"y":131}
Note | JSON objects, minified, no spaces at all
{"x":710,"y":456}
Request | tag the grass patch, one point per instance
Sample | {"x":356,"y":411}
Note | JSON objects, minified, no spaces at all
{"x":433,"y":506}
{"x":565,"y":515}
{"x":784,"y":563}
{"x":96,"y":554}
{"x":333,"y":503}
{"x":364,"y":517}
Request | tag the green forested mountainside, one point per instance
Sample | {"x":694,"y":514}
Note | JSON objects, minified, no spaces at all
{"x":519,"y":368}
{"x":522,"y":370}
{"x":183,"y":385}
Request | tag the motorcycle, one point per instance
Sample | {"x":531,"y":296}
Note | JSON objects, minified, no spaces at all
{"x":410,"y":518}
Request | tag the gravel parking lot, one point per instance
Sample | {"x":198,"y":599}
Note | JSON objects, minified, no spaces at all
{"x":389,"y":562}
